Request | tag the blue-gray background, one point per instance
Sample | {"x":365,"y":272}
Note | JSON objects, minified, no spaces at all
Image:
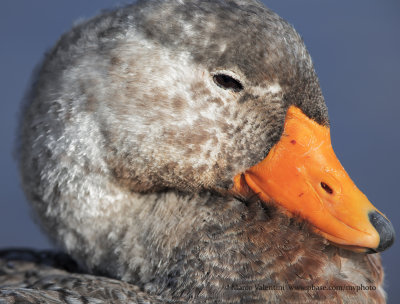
{"x":355,"y":46}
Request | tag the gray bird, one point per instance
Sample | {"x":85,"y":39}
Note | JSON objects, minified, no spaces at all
{"x":179,"y":152}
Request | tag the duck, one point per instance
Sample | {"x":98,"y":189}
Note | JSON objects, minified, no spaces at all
{"x":179,"y":151}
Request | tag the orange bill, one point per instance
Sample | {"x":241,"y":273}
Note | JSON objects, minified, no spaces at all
{"x":303,"y":175}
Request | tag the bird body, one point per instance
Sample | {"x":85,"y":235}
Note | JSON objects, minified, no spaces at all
{"x":137,"y":123}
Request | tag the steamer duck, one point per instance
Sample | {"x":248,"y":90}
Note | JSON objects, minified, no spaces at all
{"x":179,"y":152}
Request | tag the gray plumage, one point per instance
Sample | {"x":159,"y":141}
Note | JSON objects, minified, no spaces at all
{"x":128,"y":150}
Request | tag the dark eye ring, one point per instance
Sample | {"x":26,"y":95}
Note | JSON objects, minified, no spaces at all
{"x":227,"y":82}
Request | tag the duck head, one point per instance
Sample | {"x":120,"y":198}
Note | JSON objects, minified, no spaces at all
{"x":193,"y":96}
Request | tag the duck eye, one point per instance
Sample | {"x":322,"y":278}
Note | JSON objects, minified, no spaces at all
{"x":227,"y":82}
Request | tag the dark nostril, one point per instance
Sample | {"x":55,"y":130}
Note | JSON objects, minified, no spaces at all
{"x":384,"y":228}
{"x":326,"y":188}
